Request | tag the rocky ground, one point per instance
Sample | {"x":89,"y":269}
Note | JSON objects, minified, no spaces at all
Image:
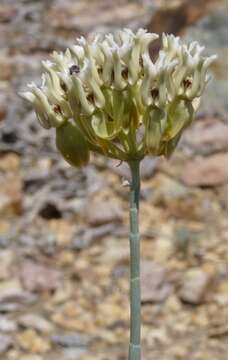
{"x":63,"y":233}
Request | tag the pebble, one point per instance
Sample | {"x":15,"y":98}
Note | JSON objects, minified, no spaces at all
{"x":6,"y":260}
{"x":7,"y":325}
{"x":11,"y":292}
{"x":208,"y":171}
{"x":30,"y":357}
{"x":74,"y":353}
{"x":103,"y":212}
{"x":5,"y":342}
{"x":163,"y":249}
{"x":35,"y":322}
{"x":38,"y":277}
{"x":29,"y":340}
{"x":3,"y":110}
{"x":207,"y":136}
{"x":87,"y":236}
{"x":155,"y":287}
{"x":71,"y":340}
{"x":195,"y":284}
{"x":11,"y":194}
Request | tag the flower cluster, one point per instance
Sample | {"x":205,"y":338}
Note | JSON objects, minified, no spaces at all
{"x":108,"y":96}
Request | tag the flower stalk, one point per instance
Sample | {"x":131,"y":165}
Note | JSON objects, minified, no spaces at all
{"x":135,"y":288}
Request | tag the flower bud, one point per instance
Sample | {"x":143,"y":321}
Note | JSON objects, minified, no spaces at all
{"x":155,"y":123}
{"x":104,"y":126}
{"x":179,"y":115}
{"x":72,"y":145}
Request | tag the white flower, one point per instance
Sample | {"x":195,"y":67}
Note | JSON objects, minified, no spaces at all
{"x":111,"y":88}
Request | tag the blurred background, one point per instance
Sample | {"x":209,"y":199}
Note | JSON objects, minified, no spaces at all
{"x":63,"y":232}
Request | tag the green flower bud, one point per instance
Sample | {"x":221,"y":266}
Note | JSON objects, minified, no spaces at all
{"x":155,"y":122}
{"x":179,"y":115}
{"x":104,"y":126}
{"x":72,"y":145}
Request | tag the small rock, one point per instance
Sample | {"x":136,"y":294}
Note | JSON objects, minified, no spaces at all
{"x":208,"y":171}
{"x":206,"y":355}
{"x":188,"y":11}
{"x":99,"y":213}
{"x":35,"y":322}
{"x":6,"y":259}
{"x":159,"y":336}
{"x":4,"y":240}
{"x":179,"y":352}
{"x":37,"y":277}
{"x":148,"y":167}
{"x":185,"y":240}
{"x":115,"y":251}
{"x":95,"y":181}
{"x":168,"y":191}
{"x":11,"y":293}
{"x":3,"y":110}
{"x":11,"y":194}
{"x":74,"y":353}
{"x":9,"y":162}
{"x":163,"y":249}
{"x":79,"y":17}
{"x":74,"y":323}
{"x":221,"y":296}
{"x":218,"y":331}
{"x":63,"y":231}
{"x":194,"y":286}
{"x":30,"y":341}
{"x":7,"y":68}
{"x":12,"y":307}
{"x":14,"y":354}
{"x":173,"y":304}
{"x":66,"y":259}
{"x":7,"y":13}
{"x":112,"y":315}
{"x":207,"y":136}
{"x":71,"y":340}
{"x":7,"y":325}
{"x":30,"y":357}
{"x":85,"y":237}
{"x":155,"y":287}
{"x":5,"y":342}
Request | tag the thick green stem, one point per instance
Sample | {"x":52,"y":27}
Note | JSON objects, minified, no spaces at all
{"x":135,"y":293}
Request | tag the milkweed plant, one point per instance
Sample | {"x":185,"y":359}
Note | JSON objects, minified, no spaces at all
{"x":108,"y":97}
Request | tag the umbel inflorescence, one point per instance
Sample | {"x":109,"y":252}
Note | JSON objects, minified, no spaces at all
{"x":107,"y":96}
